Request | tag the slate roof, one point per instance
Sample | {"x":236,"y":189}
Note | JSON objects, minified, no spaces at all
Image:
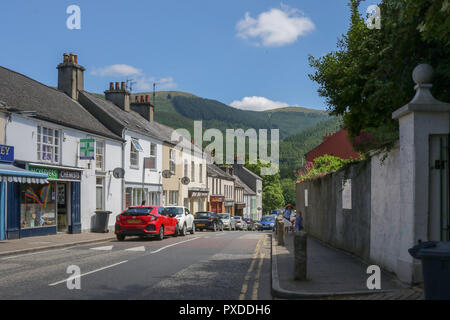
{"x":21,"y":93}
{"x":247,"y":189}
{"x":214,"y":171}
{"x":122,"y":119}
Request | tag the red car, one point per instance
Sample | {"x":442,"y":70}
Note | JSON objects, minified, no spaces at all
{"x":145,"y":221}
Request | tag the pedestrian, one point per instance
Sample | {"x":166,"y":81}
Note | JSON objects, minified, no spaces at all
{"x":143,"y":203}
{"x":287,"y":217}
{"x":299,"y":222}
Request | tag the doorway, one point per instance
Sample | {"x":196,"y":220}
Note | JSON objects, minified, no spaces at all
{"x":63,"y":206}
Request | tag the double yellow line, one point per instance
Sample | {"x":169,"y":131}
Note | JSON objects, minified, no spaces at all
{"x":250,"y":270}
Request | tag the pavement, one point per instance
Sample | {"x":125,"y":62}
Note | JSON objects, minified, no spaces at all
{"x":36,"y":244}
{"x":332,"y":274}
{"x":230,"y":265}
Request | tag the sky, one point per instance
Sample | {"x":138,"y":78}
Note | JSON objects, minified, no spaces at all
{"x":250,"y":54}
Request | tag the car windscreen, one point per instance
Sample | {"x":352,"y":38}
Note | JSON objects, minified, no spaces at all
{"x":202,"y":215}
{"x":268,"y":219}
{"x":137,"y":212}
{"x":237,"y":218}
{"x":174,"y":210}
{"x":224,"y":216}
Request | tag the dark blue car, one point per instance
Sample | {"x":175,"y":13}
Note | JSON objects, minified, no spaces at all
{"x":267,"y":223}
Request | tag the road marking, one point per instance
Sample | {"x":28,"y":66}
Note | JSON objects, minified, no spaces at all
{"x":85,"y":274}
{"x":171,"y":245}
{"x":137,"y":249}
{"x":107,"y":248}
{"x":258,"y":273}
{"x":250,"y":269}
{"x":34,"y":253}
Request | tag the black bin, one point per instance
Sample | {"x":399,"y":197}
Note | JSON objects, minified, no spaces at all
{"x":101,"y":221}
{"x":435,"y":257}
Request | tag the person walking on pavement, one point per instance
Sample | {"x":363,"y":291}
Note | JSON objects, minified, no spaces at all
{"x":287,"y":217}
{"x":299,"y":222}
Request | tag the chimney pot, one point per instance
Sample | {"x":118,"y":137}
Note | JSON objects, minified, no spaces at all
{"x":122,"y":86}
{"x":117,"y":86}
{"x":75,"y":58}
{"x":142,"y":98}
{"x":136,"y":99}
{"x":147,"y":98}
{"x":111,"y":86}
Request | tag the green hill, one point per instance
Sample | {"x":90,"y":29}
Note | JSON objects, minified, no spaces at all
{"x":180,"y":109}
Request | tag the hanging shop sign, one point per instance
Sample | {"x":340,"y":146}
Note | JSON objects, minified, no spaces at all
{"x":87,"y":149}
{"x":6,"y":153}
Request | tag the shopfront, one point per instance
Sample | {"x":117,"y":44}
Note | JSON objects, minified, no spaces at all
{"x":229,"y":207}
{"x":239,"y":209}
{"x":216,"y":203}
{"x":198,"y":199}
{"x":45,"y":209}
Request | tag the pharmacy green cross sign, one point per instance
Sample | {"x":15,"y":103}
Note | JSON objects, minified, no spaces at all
{"x":87,"y":149}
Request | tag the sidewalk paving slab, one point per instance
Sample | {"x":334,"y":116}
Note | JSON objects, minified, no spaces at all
{"x":44,"y":243}
{"x":332,"y":274}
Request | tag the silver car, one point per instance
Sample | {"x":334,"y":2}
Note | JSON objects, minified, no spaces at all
{"x":240,"y":223}
{"x":228,"y":222}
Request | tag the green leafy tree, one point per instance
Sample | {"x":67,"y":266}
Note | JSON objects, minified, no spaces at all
{"x":288,"y":189}
{"x":369,"y":76}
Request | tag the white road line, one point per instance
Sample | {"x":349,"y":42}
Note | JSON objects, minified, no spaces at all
{"x":107,"y":248}
{"x":171,"y":245}
{"x":85,"y":274}
{"x":31,"y":254}
{"x":137,"y":249}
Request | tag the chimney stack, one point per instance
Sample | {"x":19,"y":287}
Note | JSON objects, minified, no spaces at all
{"x":70,"y":76}
{"x":143,"y":106}
{"x":119,"y":95}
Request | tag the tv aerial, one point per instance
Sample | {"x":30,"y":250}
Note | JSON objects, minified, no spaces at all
{"x":130,"y":83}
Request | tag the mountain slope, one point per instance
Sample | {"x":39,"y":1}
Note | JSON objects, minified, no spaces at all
{"x":179,"y":110}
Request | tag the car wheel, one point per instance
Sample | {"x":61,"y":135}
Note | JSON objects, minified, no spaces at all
{"x":221,"y":228}
{"x":120,"y":237}
{"x":177,"y":231}
{"x":193,"y":229}
{"x":183,"y":231}
{"x":161,"y":233}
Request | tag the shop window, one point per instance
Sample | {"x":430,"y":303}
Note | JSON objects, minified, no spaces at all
{"x":100,"y":155}
{"x":37,"y":206}
{"x":100,"y":185}
{"x":48,"y":145}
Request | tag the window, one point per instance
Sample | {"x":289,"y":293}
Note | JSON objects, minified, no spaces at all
{"x":173,"y":198}
{"x":37,"y":205}
{"x":100,"y":183}
{"x":48,"y":145}
{"x":153,"y":156}
{"x":185,"y":168}
{"x":134,"y":153}
{"x":193,"y":171}
{"x":100,"y":155}
{"x":172,"y":161}
{"x":201,"y":173}
{"x":154,"y":198}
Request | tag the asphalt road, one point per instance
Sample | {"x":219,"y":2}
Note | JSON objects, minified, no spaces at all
{"x":211,"y":266}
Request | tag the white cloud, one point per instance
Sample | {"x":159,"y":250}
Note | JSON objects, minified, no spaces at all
{"x":258,"y":104}
{"x":276,"y":27}
{"x":145,"y":84}
{"x":116,"y":70}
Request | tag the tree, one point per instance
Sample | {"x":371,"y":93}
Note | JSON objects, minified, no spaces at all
{"x":369,"y":76}
{"x":288,"y":187}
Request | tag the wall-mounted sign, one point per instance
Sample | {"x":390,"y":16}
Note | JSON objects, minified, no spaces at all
{"x":6,"y":153}
{"x":229,"y":203}
{"x":69,"y":175}
{"x":52,"y":173}
{"x":347,"y":194}
{"x":87,"y":149}
{"x":306,"y":198}
{"x":216,"y":199}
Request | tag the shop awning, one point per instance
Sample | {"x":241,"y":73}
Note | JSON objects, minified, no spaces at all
{"x":10,"y":173}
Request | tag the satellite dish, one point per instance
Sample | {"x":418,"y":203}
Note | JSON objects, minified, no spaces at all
{"x":118,"y":173}
{"x":166,"y":174}
{"x":185,"y":181}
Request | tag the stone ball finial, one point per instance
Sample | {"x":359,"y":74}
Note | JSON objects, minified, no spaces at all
{"x":423,"y":74}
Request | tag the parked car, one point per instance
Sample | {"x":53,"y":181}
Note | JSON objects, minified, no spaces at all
{"x":145,"y":221}
{"x":240,"y":223}
{"x":266,"y":223}
{"x":208,"y":220}
{"x":228,"y":222}
{"x":251,"y":224}
{"x":185,"y":220}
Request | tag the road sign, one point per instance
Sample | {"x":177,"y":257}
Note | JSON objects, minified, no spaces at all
{"x":87,"y":149}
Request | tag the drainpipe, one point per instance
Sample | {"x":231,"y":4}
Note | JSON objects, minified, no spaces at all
{"x":123,"y":166}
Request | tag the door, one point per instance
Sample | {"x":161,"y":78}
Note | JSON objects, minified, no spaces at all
{"x":63,"y":200}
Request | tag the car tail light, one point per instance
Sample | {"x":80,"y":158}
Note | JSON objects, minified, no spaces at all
{"x":210,"y":219}
{"x":248,"y":222}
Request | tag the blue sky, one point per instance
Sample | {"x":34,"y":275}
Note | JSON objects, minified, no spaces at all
{"x":241,"y":52}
